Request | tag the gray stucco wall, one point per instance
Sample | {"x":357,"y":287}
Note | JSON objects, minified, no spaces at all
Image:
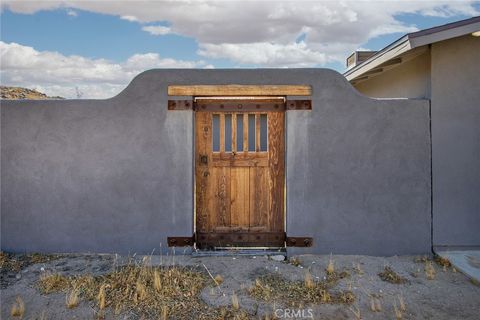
{"x":456,"y":142}
{"x":358,"y":174}
{"x":116,"y":175}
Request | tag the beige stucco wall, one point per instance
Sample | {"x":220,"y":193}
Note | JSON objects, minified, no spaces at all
{"x":455,"y":118}
{"x":408,"y":80}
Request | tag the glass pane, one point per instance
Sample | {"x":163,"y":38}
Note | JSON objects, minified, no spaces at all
{"x":251,"y":132}
{"x":239,"y":132}
{"x":228,"y":133}
{"x":263,"y":132}
{"x":216,"y":133}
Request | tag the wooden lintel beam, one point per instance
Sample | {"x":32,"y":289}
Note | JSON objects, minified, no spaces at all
{"x":239,"y":90}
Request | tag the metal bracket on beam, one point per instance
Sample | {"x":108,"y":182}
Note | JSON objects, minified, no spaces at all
{"x":181,"y":241}
{"x":180,"y":104}
{"x":299,"y":104}
{"x":299,"y":241}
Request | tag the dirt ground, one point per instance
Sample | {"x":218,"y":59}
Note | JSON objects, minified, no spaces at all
{"x":448,"y":295}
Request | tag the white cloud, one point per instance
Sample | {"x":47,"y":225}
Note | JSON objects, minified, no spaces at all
{"x":265,"y":54}
{"x":129,"y":18}
{"x":57,"y":74}
{"x":157,"y":30}
{"x":223,"y":28}
{"x":72,"y":13}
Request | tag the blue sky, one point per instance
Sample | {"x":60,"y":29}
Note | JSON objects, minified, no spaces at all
{"x":97,"y":36}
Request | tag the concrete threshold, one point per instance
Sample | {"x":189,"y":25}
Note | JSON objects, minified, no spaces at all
{"x":467,"y":261}
{"x":232,"y":252}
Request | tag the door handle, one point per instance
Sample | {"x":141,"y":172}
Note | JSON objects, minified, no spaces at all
{"x":203,"y":159}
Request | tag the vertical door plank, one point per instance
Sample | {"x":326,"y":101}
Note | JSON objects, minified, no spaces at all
{"x":259,"y":198}
{"x":240,"y":197}
{"x":203,"y":147}
{"x":276,"y":150}
{"x":220,"y":211}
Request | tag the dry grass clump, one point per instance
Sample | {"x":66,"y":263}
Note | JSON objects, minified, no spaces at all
{"x":402,"y":305}
{"x":18,"y":308}
{"x":235,"y":302}
{"x":397,"y":312}
{"x":273,"y":287}
{"x":358,"y":268}
{"x":294,"y":261}
{"x":148,"y":291}
{"x":309,"y":283}
{"x":8,"y":262}
{"x":375,"y":304}
{"x":421,"y":259}
{"x":443,"y":262}
{"x":391,"y":276}
{"x":16,"y":262}
{"x":50,"y":283}
{"x":72,"y":299}
{"x":430,"y":270}
{"x":218,"y":279}
{"x":400,"y":309}
{"x":330,"y":267}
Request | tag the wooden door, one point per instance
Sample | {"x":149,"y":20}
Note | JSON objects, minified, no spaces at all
{"x":239,"y":172}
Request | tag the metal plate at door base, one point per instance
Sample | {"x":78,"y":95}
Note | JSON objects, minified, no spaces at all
{"x":299,"y":241}
{"x":180,"y":241}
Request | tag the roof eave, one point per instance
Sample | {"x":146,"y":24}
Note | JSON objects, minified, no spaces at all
{"x":414,"y":40}
{"x":392,"y":51}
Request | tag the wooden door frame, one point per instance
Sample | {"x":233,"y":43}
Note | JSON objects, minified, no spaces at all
{"x":241,"y":104}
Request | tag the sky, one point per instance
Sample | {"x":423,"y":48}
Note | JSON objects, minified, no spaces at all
{"x":93,"y":49}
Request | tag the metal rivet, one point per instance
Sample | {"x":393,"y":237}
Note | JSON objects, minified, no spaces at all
{"x":240,"y":106}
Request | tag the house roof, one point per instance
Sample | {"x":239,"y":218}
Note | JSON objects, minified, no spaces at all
{"x":408,"y":47}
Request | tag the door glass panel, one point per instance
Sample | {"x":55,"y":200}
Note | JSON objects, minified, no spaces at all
{"x":216,"y":133}
{"x":239,"y":132}
{"x":228,"y":133}
{"x":251,"y":132}
{"x":263,"y":132}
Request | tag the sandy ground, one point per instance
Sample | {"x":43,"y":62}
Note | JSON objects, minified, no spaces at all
{"x":450,"y":295}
